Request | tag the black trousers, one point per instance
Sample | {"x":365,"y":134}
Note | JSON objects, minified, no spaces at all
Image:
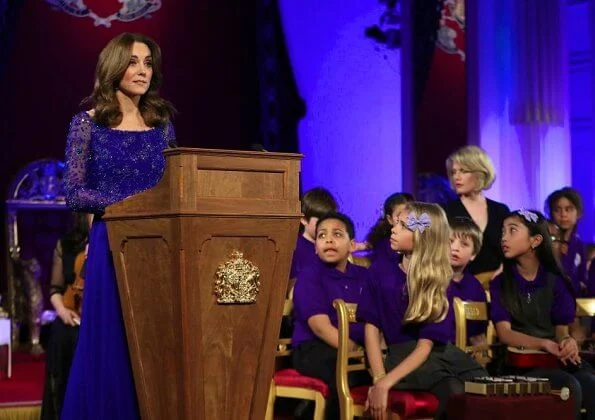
{"x":317,"y":359}
{"x":59,"y":355}
{"x":443,"y":374}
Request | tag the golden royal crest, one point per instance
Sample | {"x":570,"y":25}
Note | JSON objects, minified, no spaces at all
{"x":237,"y":280}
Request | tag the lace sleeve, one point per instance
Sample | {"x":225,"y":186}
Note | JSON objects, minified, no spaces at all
{"x":170,"y":135}
{"x":57,"y":281}
{"x":79,"y":196}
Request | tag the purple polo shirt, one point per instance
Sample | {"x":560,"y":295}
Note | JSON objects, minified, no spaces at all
{"x":591,"y":281}
{"x":563,"y":309}
{"x":469,"y":289}
{"x":384,"y":304}
{"x":382,"y":250}
{"x":315,"y":290}
{"x":304,"y":256}
{"x":439,"y":332}
{"x":575,"y":262}
{"x":591,"y":289}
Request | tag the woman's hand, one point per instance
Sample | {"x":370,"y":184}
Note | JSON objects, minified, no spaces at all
{"x":68,"y":317}
{"x":569,"y":351}
{"x":377,"y":400}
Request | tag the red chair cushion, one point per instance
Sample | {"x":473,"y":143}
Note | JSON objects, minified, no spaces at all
{"x":407,"y":404}
{"x":527,"y":360}
{"x":292,"y":378}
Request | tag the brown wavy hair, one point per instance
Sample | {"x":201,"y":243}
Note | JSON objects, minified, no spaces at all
{"x":111,"y":66}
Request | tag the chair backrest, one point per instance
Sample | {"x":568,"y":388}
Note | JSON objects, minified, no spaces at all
{"x":485,"y":278}
{"x":473,"y":311}
{"x":284,"y":344}
{"x":361,"y":260}
{"x":467,"y":311}
{"x":347,"y":361}
{"x":585,"y":307}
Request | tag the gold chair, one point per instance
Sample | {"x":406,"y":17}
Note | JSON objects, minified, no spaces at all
{"x":361,"y":260}
{"x":473,"y":311}
{"x":401,"y":404}
{"x":485,"y":278}
{"x":585,"y":307}
{"x":289,"y":383}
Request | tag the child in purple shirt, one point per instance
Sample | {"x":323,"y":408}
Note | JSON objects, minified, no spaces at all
{"x":591,"y":293}
{"x":315,"y":203}
{"x":465,"y":243}
{"x":315,"y":335}
{"x":565,"y":207}
{"x":413,"y":312}
{"x":378,"y":239}
{"x":532,"y":306}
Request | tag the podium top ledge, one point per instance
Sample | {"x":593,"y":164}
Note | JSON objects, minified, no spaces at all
{"x":235,"y":153}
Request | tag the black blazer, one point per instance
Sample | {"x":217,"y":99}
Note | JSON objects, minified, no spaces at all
{"x":490,"y":255}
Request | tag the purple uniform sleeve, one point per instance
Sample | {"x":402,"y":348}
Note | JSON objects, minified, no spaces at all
{"x":367,"y":310}
{"x":442,"y":332}
{"x":498,"y":312}
{"x":591,"y":281}
{"x":564,"y":306}
{"x":582,"y":269}
{"x":309,"y":295}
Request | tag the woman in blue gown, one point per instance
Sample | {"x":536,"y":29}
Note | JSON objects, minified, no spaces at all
{"x":113,"y":151}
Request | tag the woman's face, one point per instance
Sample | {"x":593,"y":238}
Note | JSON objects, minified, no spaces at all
{"x":463,"y":180}
{"x":137,"y":78}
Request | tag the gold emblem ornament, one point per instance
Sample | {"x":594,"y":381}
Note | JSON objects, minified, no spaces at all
{"x":237,"y":280}
{"x":351,"y":311}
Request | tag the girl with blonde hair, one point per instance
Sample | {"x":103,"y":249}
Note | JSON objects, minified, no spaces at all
{"x":408,"y":304}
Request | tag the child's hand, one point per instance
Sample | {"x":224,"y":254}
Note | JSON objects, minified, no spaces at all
{"x":569,"y":351}
{"x":377,"y":400}
{"x":478,"y":340}
{"x":361,"y":246}
{"x":551,"y":347}
{"x":353,"y":346}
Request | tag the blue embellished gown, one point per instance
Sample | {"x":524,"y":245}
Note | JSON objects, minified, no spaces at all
{"x":104,"y":166}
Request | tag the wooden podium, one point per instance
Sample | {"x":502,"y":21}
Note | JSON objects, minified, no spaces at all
{"x":220,"y":226}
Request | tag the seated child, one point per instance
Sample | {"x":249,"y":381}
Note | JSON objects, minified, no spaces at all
{"x":315,"y":203}
{"x":378,"y":239}
{"x":410,"y":307}
{"x":465,"y":243}
{"x":533,"y":305}
{"x":315,"y":335}
{"x":565,"y":207}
